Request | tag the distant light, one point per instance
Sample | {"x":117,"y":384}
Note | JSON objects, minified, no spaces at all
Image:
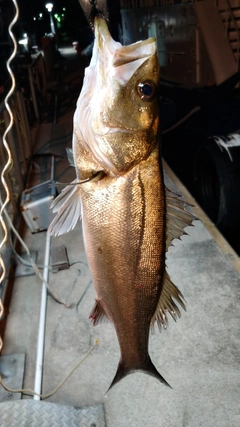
{"x":34,"y":18}
{"x":49,"y":7}
{"x":40,"y":15}
{"x":25,"y":35}
{"x":64,"y":9}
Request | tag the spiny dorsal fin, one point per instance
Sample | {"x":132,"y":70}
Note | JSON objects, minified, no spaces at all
{"x":166,"y":303}
{"x":68,"y":208}
{"x":98,"y":314}
{"x":177,"y":218}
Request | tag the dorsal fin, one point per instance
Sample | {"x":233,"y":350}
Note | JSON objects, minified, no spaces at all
{"x":68,"y":208}
{"x":166,"y":303}
{"x":177,"y":218}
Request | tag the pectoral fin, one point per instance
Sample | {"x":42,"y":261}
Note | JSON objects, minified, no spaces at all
{"x":70,"y":156}
{"x":68,"y":208}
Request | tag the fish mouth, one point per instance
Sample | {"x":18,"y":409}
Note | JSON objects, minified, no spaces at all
{"x":111,"y":54}
{"x":124,"y":54}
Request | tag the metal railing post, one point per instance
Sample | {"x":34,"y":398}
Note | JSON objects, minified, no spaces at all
{"x":25,"y":124}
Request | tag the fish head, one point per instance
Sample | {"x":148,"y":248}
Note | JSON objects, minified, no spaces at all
{"x":117,"y":115}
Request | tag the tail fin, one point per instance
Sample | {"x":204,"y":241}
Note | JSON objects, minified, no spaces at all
{"x":147,"y":368}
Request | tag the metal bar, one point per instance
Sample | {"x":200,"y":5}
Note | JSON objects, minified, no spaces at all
{"x":42,"y":322}
{"x":43,"y":310}
{"x":33,"y":92}
{"x":25,"y":124}
{"x":43,"y":73}
{"x":18,"y":132}
{"x":198,"y":57}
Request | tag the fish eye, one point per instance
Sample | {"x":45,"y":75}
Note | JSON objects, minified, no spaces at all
{"x":146,"y":90}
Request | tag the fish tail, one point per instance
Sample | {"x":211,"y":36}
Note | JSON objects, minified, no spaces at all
{"x":147,"y":368}
{"x":151,"y":370}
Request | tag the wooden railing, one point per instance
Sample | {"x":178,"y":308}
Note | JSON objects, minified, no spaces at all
{"x":228,"y":21}
{"x":135,"y":4}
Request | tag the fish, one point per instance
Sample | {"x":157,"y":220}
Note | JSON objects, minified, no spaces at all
{"x":129,"y":218}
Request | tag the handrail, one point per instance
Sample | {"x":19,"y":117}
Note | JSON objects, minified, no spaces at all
{"x":136,"y":4}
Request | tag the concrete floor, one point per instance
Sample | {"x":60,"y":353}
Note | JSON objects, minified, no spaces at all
{"x":199,"y":355}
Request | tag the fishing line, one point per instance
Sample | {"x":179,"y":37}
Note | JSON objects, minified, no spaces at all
{"x":45,"y":396}
{"x":99,"y":174}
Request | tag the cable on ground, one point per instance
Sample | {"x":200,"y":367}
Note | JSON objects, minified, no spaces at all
{"x":45,"y":396}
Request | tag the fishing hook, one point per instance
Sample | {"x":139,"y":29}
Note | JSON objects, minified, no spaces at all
{"x":100,"y":175}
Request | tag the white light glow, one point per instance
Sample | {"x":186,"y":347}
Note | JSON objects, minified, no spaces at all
{"x":23,"y":41}
{"x":49,"y":7}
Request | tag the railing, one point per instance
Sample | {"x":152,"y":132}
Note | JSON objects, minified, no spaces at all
{"x":26,"y":103}
{"x":38,"y":83}
{"x":135,"y":4}
{"x":20,"y":143}
{"x":229,"y":20}
{"x":39,"y":74}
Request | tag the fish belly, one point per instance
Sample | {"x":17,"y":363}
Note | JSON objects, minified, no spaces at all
{"x":124,"y":236}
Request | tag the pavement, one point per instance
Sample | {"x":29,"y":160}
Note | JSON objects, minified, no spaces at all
{"x":199,"y":355}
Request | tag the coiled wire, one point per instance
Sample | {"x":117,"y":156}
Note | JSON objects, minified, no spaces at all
{"x":9,"y":161}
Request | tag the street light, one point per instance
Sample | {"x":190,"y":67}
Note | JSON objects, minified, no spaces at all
{"x":49,"y":7}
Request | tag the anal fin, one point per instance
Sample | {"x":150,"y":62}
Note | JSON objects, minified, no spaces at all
{"x":167,"y":304}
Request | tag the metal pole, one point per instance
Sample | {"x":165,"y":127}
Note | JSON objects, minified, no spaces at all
{"x":33,"y":92}
{"x":19,"y":138}
{"x":198,"y":63}
{"x":43,"y":311}
{"x":42,"y":322}
{"x":25,"y":124}
{"x":52,"y":26}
